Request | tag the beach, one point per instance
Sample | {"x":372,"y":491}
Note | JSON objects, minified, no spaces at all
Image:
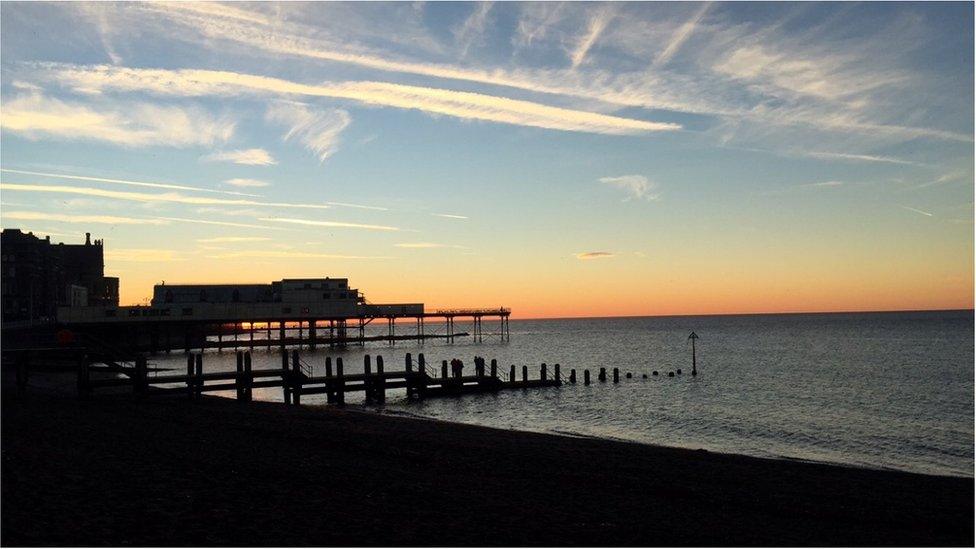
{"x":120,"y":471}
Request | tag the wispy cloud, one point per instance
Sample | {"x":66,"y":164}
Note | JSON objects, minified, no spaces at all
{"x":247,"y":157}
{"x":597,"y":23}
{"x":450,"y":216}
{"x":473,"y":28}
{"x":130,"y":124}
{"x":428,"y":245}
{"x":637,"y":186}
{"x":276,"y":254}
{"x":148,"y":197}
{"x":141,"y":255}
{"x":916,"y":210}
{"x":823,"y":184}
{"x":859,"y":158}
{"x":68,"y":218}
{"x":125,"y":182}
{"x":335,"y":224}
{"x":681,"y":35}
{"x":583,"y":256}
{"x":224,"y":239}
{"x":223,"y":223}
{"x":244,"y":182}
{"x":317,"y":130}
{"x":439,"y":101}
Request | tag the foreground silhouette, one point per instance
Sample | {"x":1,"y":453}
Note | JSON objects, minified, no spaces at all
{"x":218,"y":472}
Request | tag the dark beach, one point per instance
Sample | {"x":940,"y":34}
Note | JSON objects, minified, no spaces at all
{"x":114,"y":471}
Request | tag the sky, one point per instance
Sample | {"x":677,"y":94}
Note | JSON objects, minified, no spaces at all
{"x":561,"y":159}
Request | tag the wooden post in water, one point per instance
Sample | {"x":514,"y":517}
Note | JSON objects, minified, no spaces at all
{"x":443,"y":369}
{"x":408,"y":369}
{"x":494,"y":369}
{"x":586,"y":377}
{"x":198,"y":374}
{"x":141,"y":383}
{"x":340,"y":383}
{"x":84,"y":388}
{"x":248,"y":378}
{"x":511,"y":374}
{"x":329,"y":382}
{"x":380,"y":381}
{"x":603,"y":374}
{"x":542,"y":372}
{"x":239,"y":380}
{"x":694,"y":369}
{"x":556,"y":375}
{"x":572,"y":375}
{"x":422,"y":376}
{"x":296,"y":378}
{"x":285,"y":385}
{"x":616,"y":375}
{"x":525,"y":373}
{"x":367,"y":382}
{"x":189,"y":376}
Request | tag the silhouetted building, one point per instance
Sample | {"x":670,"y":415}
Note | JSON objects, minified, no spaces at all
{"x":38,"y":276}
{"x":289,"y":290}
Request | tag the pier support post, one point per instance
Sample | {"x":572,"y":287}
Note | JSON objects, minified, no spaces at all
{"x":408,"y":374}
{"x":494,"y":369}
{"x":511,"y":374}
{"x":542,"y":372}
{"x":248,"y":378}
{"x":443,"y":369}
{"x":603,"y":374}
{"x":198,"y":374}
{"x":340,"y":396}
{"x":616,"y":375}
{"x":572,"y":375}
{"x":556,"y":375}
{"x":525,"y":373}
{"x":586,"y":377}
{"x":421,"y":376}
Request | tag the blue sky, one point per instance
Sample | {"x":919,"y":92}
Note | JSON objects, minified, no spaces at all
{"x":706,"y":157}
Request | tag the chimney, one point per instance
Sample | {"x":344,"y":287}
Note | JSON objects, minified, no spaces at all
{"x":87,"y":239}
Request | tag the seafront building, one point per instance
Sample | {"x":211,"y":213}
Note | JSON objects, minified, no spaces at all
{"x":39,"y":276}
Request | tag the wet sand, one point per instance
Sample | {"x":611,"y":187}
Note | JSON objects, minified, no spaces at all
{"x":170,"y":472}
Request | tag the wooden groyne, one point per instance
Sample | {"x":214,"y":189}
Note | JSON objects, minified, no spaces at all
{"x":297,"y":378}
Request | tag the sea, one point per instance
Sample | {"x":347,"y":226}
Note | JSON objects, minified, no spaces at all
{"x":876,"y":390}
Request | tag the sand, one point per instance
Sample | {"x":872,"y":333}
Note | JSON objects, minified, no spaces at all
{"x":165,"y":471}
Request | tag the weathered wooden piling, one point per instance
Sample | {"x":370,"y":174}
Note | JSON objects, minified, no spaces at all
{"x":555,"y":374}
{"x":586,"y":377}
{"x":525,"y":373}
{"x":603,"y":374}
{"x":421,"y":387}
{"x":140,"y":384}
{"x":329,"y":381}
{"x":367,"y":378}
{"x":189,"y":376}
{"x":248,"y":378}
{"x":678,"y":371}
{"x":285,"y":388}
{"x":340,"y":395}
{"x":198,"y":372}
{"x":409,"y":377}
{"x":670,"y":374}
{"x":511,"y":374}
{"x":542,"y":372}
{"x":572,"y":375}
{"x":494,"y":369}
{"x":239,"y":385}
{"x":616,"y":375}
{"x":443,"y":369}
{"x":84,"y":387}
{"x":380,"y":385}
{"x":629,"y":375}
{"x":654,"y":373}
{"x":296,"y":378}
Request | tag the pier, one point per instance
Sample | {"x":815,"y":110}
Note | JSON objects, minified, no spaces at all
{"x":297,"y":378}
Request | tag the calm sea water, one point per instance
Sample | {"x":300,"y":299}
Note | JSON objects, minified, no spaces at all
{"x":881,"y":390}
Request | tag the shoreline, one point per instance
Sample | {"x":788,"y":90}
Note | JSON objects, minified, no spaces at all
{"x":216,"y":472}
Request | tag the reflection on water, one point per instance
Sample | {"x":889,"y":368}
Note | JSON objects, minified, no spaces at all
{"x":885,"y":390}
